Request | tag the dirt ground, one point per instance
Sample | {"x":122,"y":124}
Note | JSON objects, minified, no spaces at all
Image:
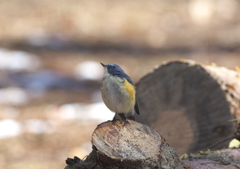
{"x":137,"y":35}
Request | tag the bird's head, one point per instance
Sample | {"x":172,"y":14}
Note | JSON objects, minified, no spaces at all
{"x":113,"y":69}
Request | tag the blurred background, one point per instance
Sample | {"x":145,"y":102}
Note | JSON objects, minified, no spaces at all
{"x":49,"y":64}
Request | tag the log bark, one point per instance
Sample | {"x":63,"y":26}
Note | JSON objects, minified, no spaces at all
{"x":131,"y":145}
{"x":190,"y":104}
{"x":224,"y":159}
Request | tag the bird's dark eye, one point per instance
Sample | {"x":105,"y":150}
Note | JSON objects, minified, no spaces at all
{"x":113,"y":67}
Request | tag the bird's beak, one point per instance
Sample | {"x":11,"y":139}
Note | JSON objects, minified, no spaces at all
{"x":103,"y":65}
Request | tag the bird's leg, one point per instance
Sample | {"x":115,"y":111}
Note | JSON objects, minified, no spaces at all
{"x":114,"y":120}
{"x":123,"y":117}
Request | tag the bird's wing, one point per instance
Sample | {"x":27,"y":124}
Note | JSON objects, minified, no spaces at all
{"x":136,"y":108}
{"x":124,"y":75}
{"x":136,"y":103}
{"x":129,"y":79}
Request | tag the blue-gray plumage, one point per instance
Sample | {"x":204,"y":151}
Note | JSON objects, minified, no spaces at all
{"x":118,"y":92}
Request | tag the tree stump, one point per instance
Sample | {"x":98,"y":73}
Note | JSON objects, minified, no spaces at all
{"x":190,"y":104}
{"x":129,"y":145}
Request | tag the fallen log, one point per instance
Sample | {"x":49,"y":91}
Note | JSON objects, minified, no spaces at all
{"x":190,"y":104}
{"x":132,"y":145}
{"x":129,"y":145}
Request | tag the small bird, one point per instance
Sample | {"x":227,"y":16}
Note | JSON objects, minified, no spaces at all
{"x":118,"y":92}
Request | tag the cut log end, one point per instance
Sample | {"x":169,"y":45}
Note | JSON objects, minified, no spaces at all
{"x":132,"y":145}
{"x":185,"y":102}
{"x":126,"y":140}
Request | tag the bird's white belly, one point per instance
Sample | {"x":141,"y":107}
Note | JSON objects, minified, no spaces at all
{"x":115,"y":96}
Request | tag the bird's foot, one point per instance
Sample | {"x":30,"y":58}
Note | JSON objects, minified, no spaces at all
{"x":126,"y":122}
{"x":114,"y":121}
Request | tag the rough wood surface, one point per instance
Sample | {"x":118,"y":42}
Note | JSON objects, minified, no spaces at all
{"x":130,"y":145}
{"x":131,"y":141}
{"x":224,"y":159}
{"x":190,"y":104}
{"x":136,"y":146}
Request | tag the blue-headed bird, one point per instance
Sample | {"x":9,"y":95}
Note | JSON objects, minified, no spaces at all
{"x":118,"y":92}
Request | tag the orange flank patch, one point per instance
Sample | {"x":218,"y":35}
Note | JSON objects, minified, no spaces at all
{"x":237,"y":69}
{"x":130,"y":88}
